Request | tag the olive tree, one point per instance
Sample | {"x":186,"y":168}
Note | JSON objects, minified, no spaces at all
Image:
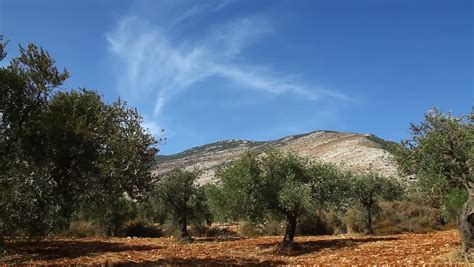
{"x":25,"y":187}
{"x":62,"y":149}
{"x":440,"y":153}
{"x":274,"y":182}
{"x":368,"y":189}
{"x":181,"y":198}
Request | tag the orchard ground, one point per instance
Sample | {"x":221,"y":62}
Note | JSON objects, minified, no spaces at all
{"x":430,"y":248}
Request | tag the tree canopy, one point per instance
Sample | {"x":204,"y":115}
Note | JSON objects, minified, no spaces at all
{"x":441,"y":145}
{"x":440,"y":154}
{"x":182,"y":198}
{"x":367,"y":189}
{"x":275,"y":182}
{"x":62,"y":148}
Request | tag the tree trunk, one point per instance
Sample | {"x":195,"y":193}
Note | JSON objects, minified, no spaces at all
{"x":466,"y":224}
{"x":183,"y":228}
{"x":368,"y":226}
{"x":2,"y":239}
{"x":109,"y":232}
{"x":290,"y":231}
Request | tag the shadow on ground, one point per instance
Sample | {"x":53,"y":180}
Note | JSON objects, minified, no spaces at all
{"x":216,"y":239}
{"x":201,"y":262}
{"x":60,"y":249}
{"x":24,"y":252}
{"x":307,"y":247}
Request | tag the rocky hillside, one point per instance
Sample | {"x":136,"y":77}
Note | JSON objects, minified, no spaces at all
{"x":350,"y":151}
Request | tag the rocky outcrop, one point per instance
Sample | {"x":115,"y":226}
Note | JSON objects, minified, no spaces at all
{"x":350,"y":151}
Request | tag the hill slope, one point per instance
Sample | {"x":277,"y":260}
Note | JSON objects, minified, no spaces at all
{"x":350,"y":151}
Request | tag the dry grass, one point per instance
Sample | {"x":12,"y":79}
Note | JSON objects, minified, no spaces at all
{"x":388,"y":249}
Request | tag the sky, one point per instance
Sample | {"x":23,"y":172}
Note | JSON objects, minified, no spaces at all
{"x":206,"y":71}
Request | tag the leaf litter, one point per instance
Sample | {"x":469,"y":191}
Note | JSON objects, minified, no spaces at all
{"x":401,"y":249}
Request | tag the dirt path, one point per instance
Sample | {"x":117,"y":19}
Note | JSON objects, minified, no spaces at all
{"x":389,"y":249}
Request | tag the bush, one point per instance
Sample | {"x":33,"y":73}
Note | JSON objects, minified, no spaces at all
{"x":335,"y":222}
{"x":248,"y":229}
{"x":405,"y":216}
{"x":221,"y":232}
{"x":81,"y":229}
{"x":214,"y":231}
{"x":169,"y":229}
{"x":355,"y":220}
{"x":314,"y":225}
{"x":273,"y":228}
{"x":141,"y":229}
{"x":198,"y":230}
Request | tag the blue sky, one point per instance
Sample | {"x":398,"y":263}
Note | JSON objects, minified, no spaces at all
{"x":259,"y":70}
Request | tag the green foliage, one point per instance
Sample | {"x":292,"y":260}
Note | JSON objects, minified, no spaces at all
{"x":151,"y":211}
{"x":182,"y":198}
{"x":330,"y":188}
{"x":274,"y":183}
{"x":384,"y":144}
{"x":114,"y":215}
{"x":441,"y":149}
{"x":286,"y":182}
{"x":453,"y":202}
{"x":60,"y":150}
{"x":28,"y":203}
{"x":3,"y":43}
{"x":367,"y":189}
{"x":208,"y":148}
{"x":355,"y":219}
{"x":238,"y":193}
{"x":439,"y":154}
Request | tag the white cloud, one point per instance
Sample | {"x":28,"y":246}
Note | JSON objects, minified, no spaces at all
{"x":198,"y":8}
{"x":156,"y":65}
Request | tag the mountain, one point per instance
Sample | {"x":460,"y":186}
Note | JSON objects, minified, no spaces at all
{"x":350,"y":151}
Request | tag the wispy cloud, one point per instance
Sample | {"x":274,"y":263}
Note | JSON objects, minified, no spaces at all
{"x":158,"y":65}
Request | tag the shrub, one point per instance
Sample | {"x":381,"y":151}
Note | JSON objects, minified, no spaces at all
{"x":169,"y":229}
{"x":213,"y":231}
{"x":354,"y":219}
{"x":141,"y":229}
{"x":335,"y":221}
{"x":198,"y":230}
{"x":81,"y":229}
{"x":249,"y":229}
{"x":273,"y":227}
{"x":405,"y":216}
{"x":314,"y":225}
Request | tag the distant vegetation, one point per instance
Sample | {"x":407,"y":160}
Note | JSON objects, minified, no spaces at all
{"x":390,"y":146}
{"x":208,"y":149}
{"x":72,"y":164}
